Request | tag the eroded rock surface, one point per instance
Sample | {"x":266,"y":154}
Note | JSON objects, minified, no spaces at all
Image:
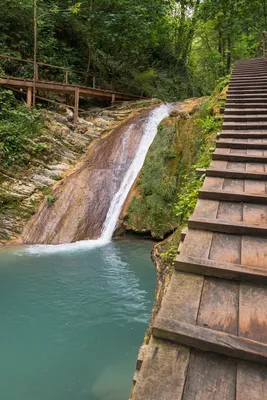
{"x":52,"y":156}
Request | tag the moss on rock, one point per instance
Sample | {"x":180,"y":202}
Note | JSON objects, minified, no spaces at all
{"x":169,"y":159}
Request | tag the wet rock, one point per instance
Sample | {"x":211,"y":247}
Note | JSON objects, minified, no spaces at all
{"x":60,"y":146}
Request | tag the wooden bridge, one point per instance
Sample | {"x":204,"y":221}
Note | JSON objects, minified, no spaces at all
{"x":29,"y":85}
{"x":210,"y":337}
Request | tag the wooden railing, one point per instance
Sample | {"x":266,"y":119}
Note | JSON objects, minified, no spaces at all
{"x":66,"y":71}
{"x":74,"y":76}
{"x":262,"y":46}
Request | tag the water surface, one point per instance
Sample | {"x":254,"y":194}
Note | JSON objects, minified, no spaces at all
{"x":72,"y":322}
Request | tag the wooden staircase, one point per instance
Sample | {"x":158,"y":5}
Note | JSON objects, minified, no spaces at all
{"x":210,"y":336}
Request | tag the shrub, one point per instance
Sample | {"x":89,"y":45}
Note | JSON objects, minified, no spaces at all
{"x":17,"y":125}
{"x":51,"y":200}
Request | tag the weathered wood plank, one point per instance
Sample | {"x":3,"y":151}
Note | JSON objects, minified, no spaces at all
{"x":221,"y":270}
{"x":244,"y":134}
{"x":206,"y":209}
{"x":254,"y":252}
{"x":233,"y":185}
{"x":226,"y":248}
{"x":233,"y":174}
{"x":233,"y":196}
{"x":251,"y":382}
{"x":163,"y":372}
{"x":219,"y":306}
{"x":197,"y":243}
{"x":253,"y":312}
{"x":257,"y":187}
{"x":232,"y":227}
{"x":255,"y":167}
{"x":210,"y":377}
{"x":241,"y":145}
{"x":238,"y":157}
{"x":210,"y":340}
{"x":227,"y":211}
{"x":181,"y":301}
{"x":240,"y":166}
{"x":213,"y":183}
{"x":254,"y":214}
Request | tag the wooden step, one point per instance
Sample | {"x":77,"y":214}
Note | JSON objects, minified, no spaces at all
{"x":246,"y":100}
{"x":250,"y":71}
{"x":235,"y":174}
{"x":210,"y":340}
{"x":250,"y":68}
{"x":241,"y":89}
{"x":223,"y":195}
{"x":254,"y":78}
{"x":238,"y":95}
{"x":242,"y":75}
{"x":247,"y":85}
{"x":217,"y":269}
{"x":246,"y":118}
{"x":248,"y":106}
{"x":231,"y":227}
{"x":239,"y":157}
{"x":244,"y":125}
{"x":249,"y":75}
{"x":241,"y":145}
{"x":243,"y":134}
{"x":248,"y":90}
{"x":245,"y":111}
{"x":250,"y":82}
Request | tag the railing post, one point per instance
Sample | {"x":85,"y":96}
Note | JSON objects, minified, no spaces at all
{"x":93,"y":82}
{"x":67,"y":77}
{"x":29,"y":97}
{"x":76,"y":105}
{"x":113,"y":99}
{"x":37,"y":72}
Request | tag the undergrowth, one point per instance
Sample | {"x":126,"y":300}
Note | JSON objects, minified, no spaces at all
{"x":192,"y":182}
{"x":18,"y":125}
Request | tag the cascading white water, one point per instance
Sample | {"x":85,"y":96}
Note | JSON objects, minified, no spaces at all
{"x":149,"y":133}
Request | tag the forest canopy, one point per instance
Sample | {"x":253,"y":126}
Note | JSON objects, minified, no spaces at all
{"x":164,"y":48}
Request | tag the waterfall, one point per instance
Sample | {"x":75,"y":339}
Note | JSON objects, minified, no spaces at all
{"x":149,"y":133}
{"x":149,"y":129}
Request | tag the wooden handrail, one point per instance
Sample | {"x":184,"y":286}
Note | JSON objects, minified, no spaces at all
{"x":31,"y":62}
{"x":66,"y":70}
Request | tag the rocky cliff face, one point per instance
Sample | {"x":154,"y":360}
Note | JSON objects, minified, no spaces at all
{"x":82,"y":199}
{"x":51,"y":157}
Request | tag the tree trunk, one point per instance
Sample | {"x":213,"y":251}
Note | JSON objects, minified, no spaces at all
{"x":265,"y":13}
{"x":90,"y":56}
{"x":229,"y":53}
{"x":188,"y":39}
{"x":220,"y":43}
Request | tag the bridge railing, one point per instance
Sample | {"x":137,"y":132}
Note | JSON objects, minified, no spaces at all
{"x":71,"y":76}
{"x":66,"y":71}
{"x":262,"y":46}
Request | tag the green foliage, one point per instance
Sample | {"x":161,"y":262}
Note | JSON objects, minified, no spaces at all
{"x":168,"y":172}
{"x":192,"y":182}
{"x":165,"y":48}
{"x":209,"y":124}
{"x":50,"y":200}
{"x":56,"y":177}
{"x":169,"y":254}
{"x":17,"y":126}
{"x":40,"y":147}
